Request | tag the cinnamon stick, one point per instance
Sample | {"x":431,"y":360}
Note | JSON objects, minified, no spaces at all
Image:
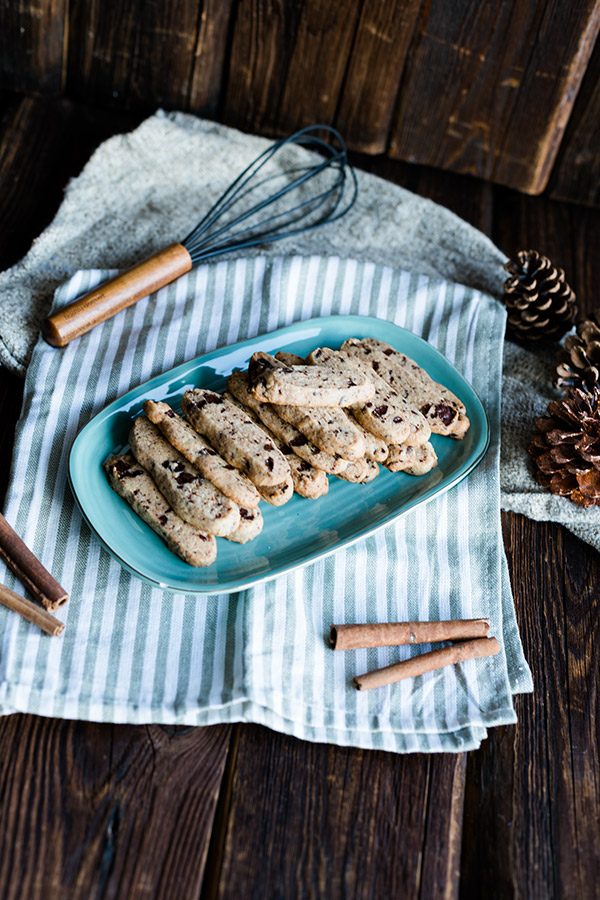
{"x":395,"y":634}
{"x":28,"y":569}
{"x":427,"y":662}
{"x":30,"y":611}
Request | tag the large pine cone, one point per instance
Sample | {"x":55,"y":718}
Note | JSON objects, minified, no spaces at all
{"x":566,"y":448}
{"x":540,"y":303}
{"x":578,"y":363}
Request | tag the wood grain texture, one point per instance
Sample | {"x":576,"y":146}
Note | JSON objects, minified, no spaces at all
{"x":490,"y":87}
{"x":485,"y":89}
{"x":319,"y":821}
{"x":43,"y":143}
{"x":533,"y":792}
{"x":32,"y":52}
{"x":377,"y":61}
{"x":576,"y":175}
{"x":288,"y":62}
{"x":111,"y":811}
{"x":149,"y":54}
{"x":105,"y":301}
{"x":211,"y":57}
{"x":30,"y":153}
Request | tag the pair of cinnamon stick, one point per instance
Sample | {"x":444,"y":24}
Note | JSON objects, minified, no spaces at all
{"x":39,"y":582}
{"x":472,"y":635}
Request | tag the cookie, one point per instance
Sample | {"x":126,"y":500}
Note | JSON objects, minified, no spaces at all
{"x":276,"y":495}
{"x":275,"y":382}
{"x":202,"y":456}
{"x":237,"y":385}
{"x":412,"y":460}
{"x":290,"y":359}
{"x":306,"y":480}
{"x":193,"y":498}
{"x":280,"y":494}
{"x":328,"y":427}
{"x":251,"y":525}
{"x":376,"y":448}
{"x":360,"y":472}
{"x":135,"y":486}
{"x":388,"y":416}
{"x":443,"y":410}
{"x":236,"y":437}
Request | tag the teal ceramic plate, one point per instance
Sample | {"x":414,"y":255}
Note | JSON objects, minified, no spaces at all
{"x":302,"y":530}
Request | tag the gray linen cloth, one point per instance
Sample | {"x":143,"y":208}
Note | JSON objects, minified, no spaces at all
{"x":142,"y":190}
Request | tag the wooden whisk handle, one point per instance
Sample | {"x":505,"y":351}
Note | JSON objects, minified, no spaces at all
{"x":111,"y":297}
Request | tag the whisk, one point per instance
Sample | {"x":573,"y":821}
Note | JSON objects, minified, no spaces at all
{"x":257,"y":208}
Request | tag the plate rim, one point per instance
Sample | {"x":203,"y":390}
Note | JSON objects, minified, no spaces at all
{"x":237,"y":586}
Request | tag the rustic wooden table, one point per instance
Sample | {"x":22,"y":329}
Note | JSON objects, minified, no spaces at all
{"x":121,"y":811}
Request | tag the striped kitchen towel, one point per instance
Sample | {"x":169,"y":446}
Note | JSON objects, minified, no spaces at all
{"x":133,"y":653}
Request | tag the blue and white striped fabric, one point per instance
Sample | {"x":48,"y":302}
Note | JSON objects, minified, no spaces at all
{"x":131,"y":653}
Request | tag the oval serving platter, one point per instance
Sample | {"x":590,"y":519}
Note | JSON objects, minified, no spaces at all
{"x":303,"y":530}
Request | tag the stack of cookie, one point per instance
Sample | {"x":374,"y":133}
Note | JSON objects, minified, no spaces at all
{"x":281,"y":427}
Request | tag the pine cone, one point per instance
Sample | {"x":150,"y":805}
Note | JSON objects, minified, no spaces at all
{"x":566,"y":448}
{"x":540,"y":303}
{"x":578,"y":362}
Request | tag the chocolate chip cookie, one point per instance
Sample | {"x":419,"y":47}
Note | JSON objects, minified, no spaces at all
{"x":443,"y":410}
{"x":135,"y":486}
{"x":192,"y":497}
{"x":239,"y":440}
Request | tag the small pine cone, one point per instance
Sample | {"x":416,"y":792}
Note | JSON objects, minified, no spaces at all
{"x":578,"y":362}
{"x":539,"y":302}
{"x":566,"y":448}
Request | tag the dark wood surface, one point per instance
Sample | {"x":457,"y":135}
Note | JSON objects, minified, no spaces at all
{"x":576,"y":174}
{"x":92,"y":810}
{"x":491,"y":86}
{"x":479,"y":88}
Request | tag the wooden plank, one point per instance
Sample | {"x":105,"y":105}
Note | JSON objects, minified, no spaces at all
{"x":32,"y":45}
{"x":210,"y":57}
{"x":263,"y":37}
{"x":321,"y":821}
{"x":149,"y":54}
{"x":533,"y":792}
{"x":100,"y":810}
{"x":317,"y":63}
{"x":31,"y":157}
{"x":287,"y":63}
{"x":43,"y":143}
{"x":385,"y":30}
{"x":440,"y":866}
{"x":576,"y":175}
{"x":491,"y":85}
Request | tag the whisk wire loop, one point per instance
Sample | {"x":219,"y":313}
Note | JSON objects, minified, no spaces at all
{"x":209,"y":239}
